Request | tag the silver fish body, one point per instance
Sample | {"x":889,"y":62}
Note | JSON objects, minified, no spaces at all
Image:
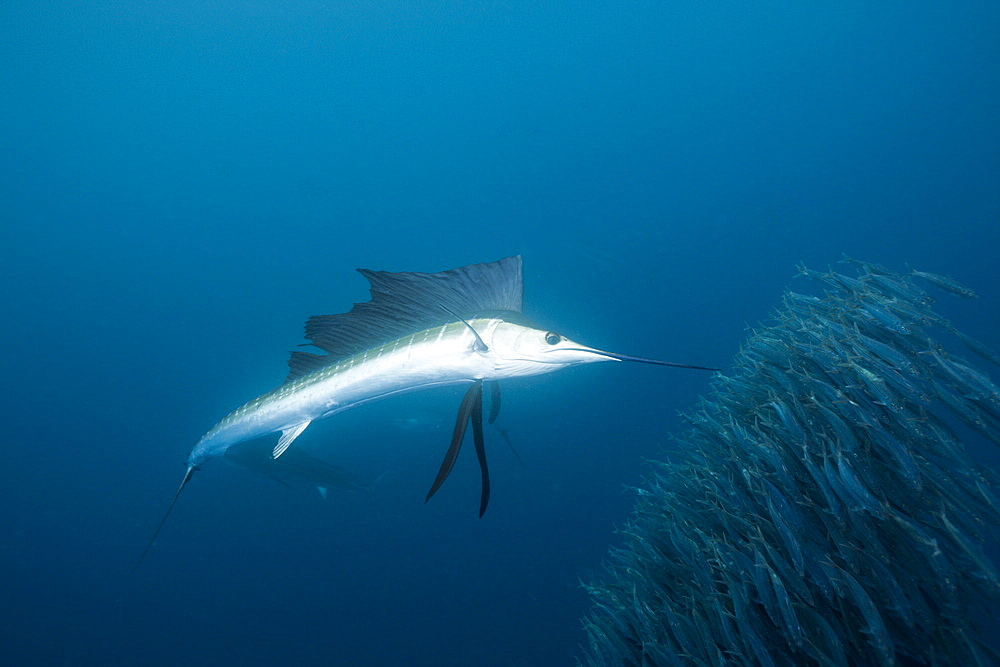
{"x":419,"y":330}
{"x":444,"y":355}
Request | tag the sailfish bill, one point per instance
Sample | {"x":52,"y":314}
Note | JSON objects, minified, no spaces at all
{"x":644,"y":360}
{"x":419,"y":330}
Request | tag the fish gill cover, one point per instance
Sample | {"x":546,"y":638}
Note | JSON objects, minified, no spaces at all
{"x":824,"y":509}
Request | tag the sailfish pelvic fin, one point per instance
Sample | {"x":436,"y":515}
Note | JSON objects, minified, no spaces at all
{"x":470,"y":409}
{"x":477,"y":435}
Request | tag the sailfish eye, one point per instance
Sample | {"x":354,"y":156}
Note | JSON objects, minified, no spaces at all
{"x":552,"y":338}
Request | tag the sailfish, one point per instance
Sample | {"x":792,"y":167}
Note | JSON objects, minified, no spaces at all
{"x":419,"y":330}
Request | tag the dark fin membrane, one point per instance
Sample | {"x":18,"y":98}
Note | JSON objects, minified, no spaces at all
{"x":477,"y":435}
{"x":403,"y":303}
{"x":149,"y":546}
{"x":494,"y":401}
{"x":304,"y":363}
{"x":473,"y":397}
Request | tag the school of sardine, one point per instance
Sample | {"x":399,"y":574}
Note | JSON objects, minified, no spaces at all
{"x":823,"y":509}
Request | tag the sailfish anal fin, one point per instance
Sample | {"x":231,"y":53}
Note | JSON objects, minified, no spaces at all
{"x":471,"y":408}
{"x":287,"y":436}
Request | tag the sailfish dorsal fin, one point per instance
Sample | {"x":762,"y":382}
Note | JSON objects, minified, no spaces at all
{"x":406,"y":302}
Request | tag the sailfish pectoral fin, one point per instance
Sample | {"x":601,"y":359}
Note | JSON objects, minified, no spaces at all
{"x":479,"y":345}
{"x":477,"y":434}
{"x":473,"y":397}
{"x":287,"y":436}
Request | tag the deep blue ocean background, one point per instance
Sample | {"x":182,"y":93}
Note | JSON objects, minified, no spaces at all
{"x":182,"y":184}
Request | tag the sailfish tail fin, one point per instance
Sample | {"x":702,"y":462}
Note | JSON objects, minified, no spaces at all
{"x":187,"y":476}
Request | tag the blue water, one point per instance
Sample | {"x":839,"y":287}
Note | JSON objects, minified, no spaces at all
{"x":182,"y":184}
